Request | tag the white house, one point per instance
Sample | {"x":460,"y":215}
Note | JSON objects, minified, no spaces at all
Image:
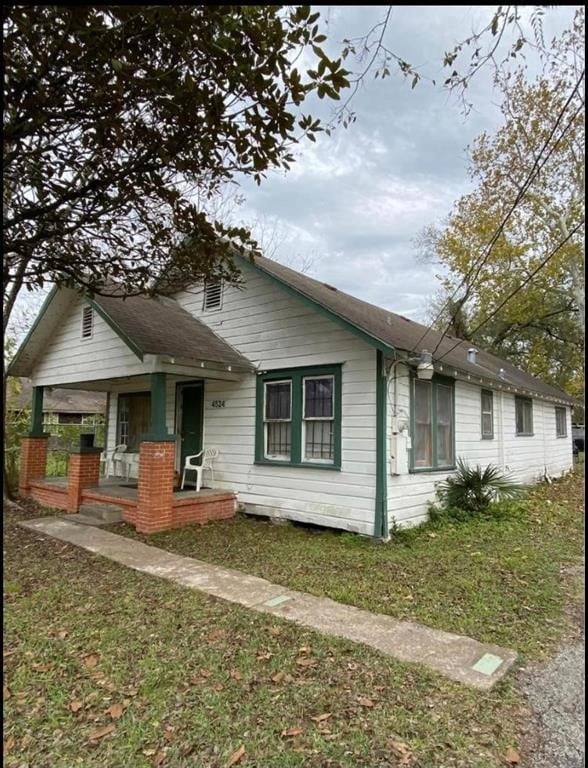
{"x":323,"y":408}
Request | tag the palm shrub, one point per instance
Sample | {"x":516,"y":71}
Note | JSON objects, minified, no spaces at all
{"x":473,"y":489}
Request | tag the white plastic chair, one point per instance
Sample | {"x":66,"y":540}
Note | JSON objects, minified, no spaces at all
{"x":111,"y":458}
{"x":208,"y":456}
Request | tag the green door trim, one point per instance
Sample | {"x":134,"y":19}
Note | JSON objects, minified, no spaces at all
{"x":181,"y":386}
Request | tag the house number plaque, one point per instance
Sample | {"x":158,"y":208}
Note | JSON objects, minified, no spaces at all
{"x":218,"y":403}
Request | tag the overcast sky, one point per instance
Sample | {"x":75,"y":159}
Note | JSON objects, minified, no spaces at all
{"x":355,"y":201}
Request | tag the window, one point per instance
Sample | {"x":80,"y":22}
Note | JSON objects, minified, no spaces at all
{"x":87,"y":322}
{"x":213,"y":292}
{"x":299,"y":417}
{"x":561,"y":422}
{"x":524,"y":415}
{"x":278,"y":420}
{"x":432,"y":424}
{"x":487,"y":414}
{"x":133,"y":419}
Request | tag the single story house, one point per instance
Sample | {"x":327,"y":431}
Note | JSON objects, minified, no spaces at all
{"x":61,"y":406}
{"x":323,"y":408}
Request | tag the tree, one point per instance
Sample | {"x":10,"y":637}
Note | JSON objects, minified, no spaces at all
{"x":541,"y":327}
{"x":120,"y":120}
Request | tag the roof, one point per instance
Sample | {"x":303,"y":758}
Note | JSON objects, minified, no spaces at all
{"x":148,"y":325}
{"x":61,"y":400}
{"x":396,"y":332}
{"x":160,"y":326}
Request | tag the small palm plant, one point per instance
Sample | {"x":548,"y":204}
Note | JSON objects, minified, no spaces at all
{"x":473,"y":489}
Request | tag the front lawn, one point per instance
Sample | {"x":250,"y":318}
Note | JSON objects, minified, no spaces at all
{"x":496,"y":580}
{"x":105,"y":666}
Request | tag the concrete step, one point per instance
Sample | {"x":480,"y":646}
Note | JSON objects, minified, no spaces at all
{"x":106,"y":513}
{"x":85,"y":520}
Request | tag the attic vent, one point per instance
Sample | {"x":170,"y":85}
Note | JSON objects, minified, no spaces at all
{"x":472,"y":352}
{"x":87,"y":322}
{"x":212,"y":295}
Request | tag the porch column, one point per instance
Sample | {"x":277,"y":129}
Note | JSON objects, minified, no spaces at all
{"x":33,"y":451}
{"x":84,"y":472}
{"x":157,"y":456}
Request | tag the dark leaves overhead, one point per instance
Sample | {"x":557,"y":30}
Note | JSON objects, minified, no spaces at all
{"x":116,"y":116}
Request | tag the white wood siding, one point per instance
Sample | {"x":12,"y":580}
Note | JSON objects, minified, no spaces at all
{"x":527,"y":458}
{"x":275,"y":330}
{"x":69,"y":359}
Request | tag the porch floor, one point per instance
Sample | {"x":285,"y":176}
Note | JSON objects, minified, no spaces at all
{"x":127,"y":490}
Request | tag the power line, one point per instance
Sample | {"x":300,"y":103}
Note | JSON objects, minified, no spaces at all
{"x":533,"y":173}
{"x":529,"y":277}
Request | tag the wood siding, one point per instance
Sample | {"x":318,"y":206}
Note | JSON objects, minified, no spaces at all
{"x":274,"y":330}
{"x":527,"y":458}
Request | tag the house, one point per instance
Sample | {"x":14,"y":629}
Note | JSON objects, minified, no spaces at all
{"x":61,"y":406}
{"x":324,"y":408}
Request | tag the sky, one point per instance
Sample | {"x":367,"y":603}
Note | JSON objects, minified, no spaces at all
{"x":351,"y":207}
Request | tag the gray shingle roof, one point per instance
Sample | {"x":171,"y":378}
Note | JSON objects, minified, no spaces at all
{"x":404,"y":334}
{"x":159,"y":326}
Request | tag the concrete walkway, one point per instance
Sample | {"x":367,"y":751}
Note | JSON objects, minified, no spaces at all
{"x":457,"y":657}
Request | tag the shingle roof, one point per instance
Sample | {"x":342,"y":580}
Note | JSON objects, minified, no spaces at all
{"x":403,"y":334}
{"x":159,"y":326}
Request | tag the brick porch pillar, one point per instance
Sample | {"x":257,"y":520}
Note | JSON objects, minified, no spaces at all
{"x":33,"y":452}
{"x":33,"y":462}
{"x":84,"y":472}
{"x":157,"y":455}
{"x":156,"y":486}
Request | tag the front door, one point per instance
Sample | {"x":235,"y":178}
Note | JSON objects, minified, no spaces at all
{"x":192,"y":406}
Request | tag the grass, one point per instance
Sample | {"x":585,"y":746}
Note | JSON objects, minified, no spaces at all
{"x":105,"y":666}
{"x":497,"y":580}
{"x":173,"y":678}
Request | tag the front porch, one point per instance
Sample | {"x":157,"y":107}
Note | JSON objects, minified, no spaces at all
{"x":188,"y":506}
{"x":163,"y":433}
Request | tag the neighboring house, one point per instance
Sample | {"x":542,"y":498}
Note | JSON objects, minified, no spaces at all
{"x":61,"y":406}
{"x":313,"y":397}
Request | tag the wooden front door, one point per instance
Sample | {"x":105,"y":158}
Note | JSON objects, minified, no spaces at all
{"x":192,"y":411}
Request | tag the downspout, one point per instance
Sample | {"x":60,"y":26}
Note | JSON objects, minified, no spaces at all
{"x":381,"y":529}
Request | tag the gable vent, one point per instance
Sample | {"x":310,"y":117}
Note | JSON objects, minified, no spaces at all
{"x":472,"y":355}
{"x":87,"y":322}
{"x":212,"y":295}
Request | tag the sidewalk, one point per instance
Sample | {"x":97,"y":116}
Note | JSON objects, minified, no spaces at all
{"x":460,"y":658}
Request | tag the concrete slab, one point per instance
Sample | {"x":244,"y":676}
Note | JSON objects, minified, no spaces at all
{"x":460,"y":658}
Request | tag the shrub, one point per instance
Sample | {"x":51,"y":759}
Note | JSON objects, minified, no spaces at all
{"x":471,"y":491}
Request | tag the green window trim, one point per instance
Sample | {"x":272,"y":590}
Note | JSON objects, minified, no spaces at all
{"x":435,"y":467}
{"x":490,"y":394}
{"x":562,"y":411}
{"x":296,"y":376}
{"x":521,"y":401}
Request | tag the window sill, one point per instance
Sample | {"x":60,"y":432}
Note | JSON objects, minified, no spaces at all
{"x":487,"y":437}
{"x":561,"y":437}
{"x":301,"y":465}
{"x":430,"y":470}
{"x":525,"y":434}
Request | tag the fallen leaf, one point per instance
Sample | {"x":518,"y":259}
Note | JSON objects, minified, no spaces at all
{"x":278,"y":677}
{"x":149,"y":752}
{"x":235,"y":674}
{"x":275,"y":631}
{"x":100,"y":733}
{"x":432,"y":535}
{"x":205,"y":673}
{"x":401,"y":751}
{"x":6,"y":692}
{"x":320,"y":718}
{"x":235,"y":757}
{"x":9,"y":745}
{"x":75,"y":705}
{"x":264,"y":656}
{"x":305,"y":649}
{"x":41,"y":667}
{"x":115,"y":711}
{"x":512,"y":756}
{"x":26,"y":741}
{"x":304,"y":661}
{"x":291,"y":732}
{"x":159,"y":758}
{"x":62,"y":634}
{"x":91,"y":660}
{"x":218,"y":687}
{"x":364,"y":701}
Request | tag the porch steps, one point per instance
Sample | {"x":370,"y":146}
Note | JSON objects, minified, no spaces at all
{"x":93,"y":513}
